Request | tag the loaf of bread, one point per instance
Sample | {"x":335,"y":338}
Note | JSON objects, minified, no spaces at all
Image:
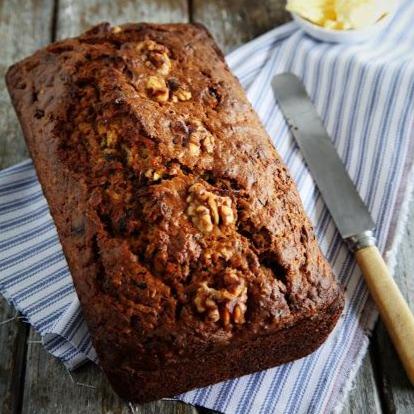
{"x":185,"y":235}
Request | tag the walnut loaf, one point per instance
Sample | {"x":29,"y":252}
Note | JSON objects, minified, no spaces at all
{"x":188,"y":245}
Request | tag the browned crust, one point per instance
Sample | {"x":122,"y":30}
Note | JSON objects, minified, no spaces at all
{"x":264,"y":352}
{"x":144,"y":361}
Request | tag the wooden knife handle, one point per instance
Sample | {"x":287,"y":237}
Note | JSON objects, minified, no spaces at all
{"x":394,"y":310}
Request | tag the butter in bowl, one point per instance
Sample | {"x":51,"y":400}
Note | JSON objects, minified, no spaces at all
{"x":342,"y":21}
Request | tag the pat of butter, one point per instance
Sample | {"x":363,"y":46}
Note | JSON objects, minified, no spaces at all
{"x":341,"y":14}
{"x":354,"y":14}
{"x":313,"y":10}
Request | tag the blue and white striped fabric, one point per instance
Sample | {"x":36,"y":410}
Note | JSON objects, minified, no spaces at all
{"x":34,"y":275}
{"x":365,"y":94}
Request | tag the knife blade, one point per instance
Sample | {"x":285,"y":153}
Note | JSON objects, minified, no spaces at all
{"x":343,"y":201}
{"x":351,"y":216}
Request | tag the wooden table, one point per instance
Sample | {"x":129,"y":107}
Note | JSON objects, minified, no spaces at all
{"x":31,"y":381}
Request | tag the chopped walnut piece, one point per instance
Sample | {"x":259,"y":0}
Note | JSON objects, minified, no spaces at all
{"x":157,"y":89}
{"x":151,"y":45}
{"x":225,"y":252}
{"x":227,"y":303}
{"x":200,"y":140}
{"x":157,"y":56}
{"x":226,"y":317}
{"x":201,"y":218}
{"x":207,"y":209}
{"x":116,"y":29}
{"x":178,"y":92}
{"x":194,"y":148}
{"x":182,"y":94}
{"x":238,"y":314}
{"x":161,"y":61}
{"x":226,"y":214}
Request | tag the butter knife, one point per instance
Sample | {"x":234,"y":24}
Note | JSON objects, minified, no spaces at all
{"x":348,"y":211}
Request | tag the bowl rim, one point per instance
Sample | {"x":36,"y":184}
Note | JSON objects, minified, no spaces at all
{"x":347,"y":32}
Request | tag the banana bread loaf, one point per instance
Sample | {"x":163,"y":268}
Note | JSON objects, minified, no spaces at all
{"x":186,"y":239}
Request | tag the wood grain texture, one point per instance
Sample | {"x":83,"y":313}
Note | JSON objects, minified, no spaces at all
{"x":364,"y":396}
{"x":50,"y":388}
{"x":233,"y":23}
{"x":397,"y":392}
{"x":13,"y":334}
{"x":75,"y":16}
{"x":35,"y":17}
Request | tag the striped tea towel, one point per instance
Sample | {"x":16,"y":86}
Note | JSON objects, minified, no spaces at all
{"x":365,"y":94}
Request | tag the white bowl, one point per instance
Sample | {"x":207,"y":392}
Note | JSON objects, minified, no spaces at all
{"x":343,"y":36}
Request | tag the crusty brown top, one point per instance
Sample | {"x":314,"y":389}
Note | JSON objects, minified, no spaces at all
{"x":181,"y":226}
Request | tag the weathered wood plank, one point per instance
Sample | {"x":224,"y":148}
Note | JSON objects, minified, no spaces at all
{"x":233,"y":23}
{"x":49,"y":388}
{"x":35,"y":17}
{"x":24,"y":27}
{"x":397,"y":392}
{"x":13,"y":336}
{"x":364,"y":396}
{"x":76,"y":16}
